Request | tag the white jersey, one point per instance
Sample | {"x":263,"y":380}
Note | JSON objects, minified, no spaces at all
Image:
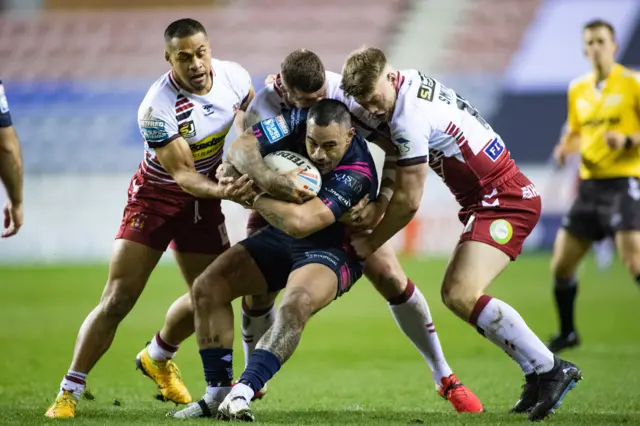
{"x":433,"y":123}
{"x":270,"y":102}
{"x":168,"y":112}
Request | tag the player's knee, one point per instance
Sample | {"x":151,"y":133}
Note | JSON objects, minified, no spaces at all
{"x":459,"y":298}
{"x":208,"y":290}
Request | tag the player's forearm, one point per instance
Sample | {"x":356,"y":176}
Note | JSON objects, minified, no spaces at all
{"x":402,"y":207}
{"x":281,"y":215}
{"x":197,"y":185}
{"x":244,"y":153}
{"x":570,"y":142}
{"x":11,"y":164}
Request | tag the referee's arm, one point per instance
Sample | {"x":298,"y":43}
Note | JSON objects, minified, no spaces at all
{"x":10,"y":170}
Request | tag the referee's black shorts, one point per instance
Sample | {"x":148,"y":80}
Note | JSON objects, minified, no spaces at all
{"x":604,"y":207}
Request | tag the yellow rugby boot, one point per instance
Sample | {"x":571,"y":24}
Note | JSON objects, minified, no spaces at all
{"x":166,"y":376}
{"x":64,"y":407}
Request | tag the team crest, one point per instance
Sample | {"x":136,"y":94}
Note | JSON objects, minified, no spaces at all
{"x":137,"y":221}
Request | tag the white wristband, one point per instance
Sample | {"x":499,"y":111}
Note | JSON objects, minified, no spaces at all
{"x":386,"y":192}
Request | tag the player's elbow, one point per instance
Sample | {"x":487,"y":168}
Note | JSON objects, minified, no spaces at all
{"x":297,"y":227}
{"x":408,"y":202}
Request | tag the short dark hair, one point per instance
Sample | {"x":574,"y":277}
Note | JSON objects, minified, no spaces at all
{"x":328,"y":111}
{"x":361,"y":71}
{"x":183,"y":28}
{"x":302,"y":70}
{"x":599,"y":23}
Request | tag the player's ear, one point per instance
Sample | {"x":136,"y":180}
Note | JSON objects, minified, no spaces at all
{"x":350,"y":135}
{"x":167,"y":57}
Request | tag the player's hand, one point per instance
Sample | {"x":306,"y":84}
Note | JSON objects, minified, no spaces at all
{"x":12,"y":219}
{"x":615,"y":140}
{"x":350,"y":217}
{"x":226,"y":170}
{"x":362,"y":244}
{"x":287,"y":187}
{"x":369,"y":216}
{"x":238,"y":190}
{"x":560,"y":155}
{"x":271,"y":78}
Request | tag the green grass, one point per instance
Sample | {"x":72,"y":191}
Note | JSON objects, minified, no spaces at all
{"x":353,"y":366}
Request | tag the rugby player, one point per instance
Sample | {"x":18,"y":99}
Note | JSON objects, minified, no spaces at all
{"x":304,"y":248}
{"x":432,"y":124}
{"x":10,"y":169}
{"x":604,"y":126}
{"x":302,"y":82}
{"x":172,"y":198}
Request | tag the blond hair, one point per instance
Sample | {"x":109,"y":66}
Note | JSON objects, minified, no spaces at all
{"x":362,"y":70}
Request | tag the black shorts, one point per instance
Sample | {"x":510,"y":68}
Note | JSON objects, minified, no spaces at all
{"x":277,"y":255}
{"x":604,"y":207}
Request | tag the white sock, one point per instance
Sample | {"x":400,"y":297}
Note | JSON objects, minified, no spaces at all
{"x":253,"y":328}
{"x":75,"y":382}
{"x":244,"y":391}
{"x":414,"y":319}
{"x":217,"y":394}
{"x":503,"y":326}
{"x":159,"y":350}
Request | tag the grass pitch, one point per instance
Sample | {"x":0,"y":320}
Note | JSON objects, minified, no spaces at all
{"x":353,"y":367}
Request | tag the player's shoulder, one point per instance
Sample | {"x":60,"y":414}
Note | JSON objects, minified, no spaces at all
{"x":228,"y":69}
{"x":580,"y":82}
{"x":629,"y":75}
{"x":162,"y":94}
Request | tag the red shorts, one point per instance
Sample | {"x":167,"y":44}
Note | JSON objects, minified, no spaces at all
{"x":504,"y":218}
{"x":157,"y":217}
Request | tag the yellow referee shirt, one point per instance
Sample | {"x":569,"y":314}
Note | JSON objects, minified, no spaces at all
{"x":593,"y":111}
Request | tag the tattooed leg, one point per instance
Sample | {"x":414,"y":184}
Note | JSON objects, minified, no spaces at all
{"x":309,"y":289}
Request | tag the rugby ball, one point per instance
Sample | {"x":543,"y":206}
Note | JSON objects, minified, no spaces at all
{"x":283,"y":161}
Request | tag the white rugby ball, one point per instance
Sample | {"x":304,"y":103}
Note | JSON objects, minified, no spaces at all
{"x":283,"y":161}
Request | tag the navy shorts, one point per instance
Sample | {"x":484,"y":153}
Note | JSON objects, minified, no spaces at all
{"x":278,"y":254}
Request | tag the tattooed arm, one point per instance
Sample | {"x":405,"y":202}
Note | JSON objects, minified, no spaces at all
{"x":296,"y":220}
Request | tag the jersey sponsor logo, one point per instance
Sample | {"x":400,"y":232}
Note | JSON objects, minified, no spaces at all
{"x":427,"y":88}
{"x":4,"y":104}
{"x":495,"y":149}
{"x":208,"y":146}
{"x":341,"y":198}
{"x":187,"y":130}
{"x":275,"y":128}
{"x":501,"y":231}
{"x":606,"y":121}
{"x":350,"y":181}
{"x":208,"y":109}
{"x":403,"y":145}
{"x":153,"y":130}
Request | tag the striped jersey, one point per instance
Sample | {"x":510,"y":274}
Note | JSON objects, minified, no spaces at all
{"x":168,"y":112}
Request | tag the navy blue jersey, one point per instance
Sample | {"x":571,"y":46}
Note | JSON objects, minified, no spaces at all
{"x":5,"y":116}
{"x":354,"y":178}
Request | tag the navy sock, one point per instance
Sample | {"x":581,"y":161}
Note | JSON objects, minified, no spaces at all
{"x":565,"y":292}
{"x":263,"y":365}
{"x":218,"y":366}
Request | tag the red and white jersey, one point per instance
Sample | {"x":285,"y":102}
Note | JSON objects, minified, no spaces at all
{"x":168,"y":112}
{"x":431,"y":122}
{"x":270,"y":102}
